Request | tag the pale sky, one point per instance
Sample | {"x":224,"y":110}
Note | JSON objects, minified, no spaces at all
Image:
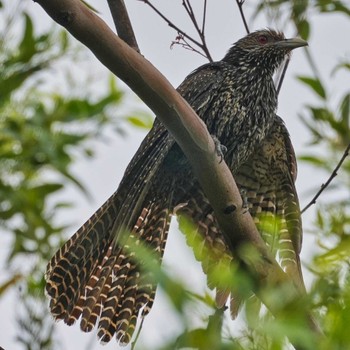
{"x":102,"y":174}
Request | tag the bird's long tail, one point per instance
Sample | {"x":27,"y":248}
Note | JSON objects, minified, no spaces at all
{"x":96,"y":278}
{"x":96,"y":275}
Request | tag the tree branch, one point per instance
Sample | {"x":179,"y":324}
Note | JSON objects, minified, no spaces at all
{"x":327,"y":183}
{"x":201,"y":45}
{"x":281,"y":78}
{"x":192,"y":136}
{"x":204,"y":15}
{"x":171,"y":24}
{"x":188,"y":7}
{"x":122,"y":22}
{"x":240,"y":7}
{"x":181,"y":40}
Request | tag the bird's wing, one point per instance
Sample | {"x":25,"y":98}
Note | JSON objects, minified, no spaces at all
{"x":266,"y":181}
{"x":200,"y":87}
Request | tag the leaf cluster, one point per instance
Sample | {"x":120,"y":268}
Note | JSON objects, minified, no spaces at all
{"x":42,"y":130}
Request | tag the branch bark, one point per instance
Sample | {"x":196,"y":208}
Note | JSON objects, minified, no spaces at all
{"x":190,"y":133}
{"x":122,"y":22}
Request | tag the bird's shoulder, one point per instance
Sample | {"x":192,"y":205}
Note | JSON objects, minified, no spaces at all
{"x":203,"y":81}
{"x":273,"y":162}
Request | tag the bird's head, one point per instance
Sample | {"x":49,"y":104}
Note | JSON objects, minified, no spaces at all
{"x":263,"y":50}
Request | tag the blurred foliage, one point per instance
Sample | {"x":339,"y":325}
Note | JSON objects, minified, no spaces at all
{"x":42,"y":129}
{"x":299,"y":12}
{"x":39,"y":131}
{"x":38,"y":333}
{"x":328,"y":122}
{"x":330,"y":131}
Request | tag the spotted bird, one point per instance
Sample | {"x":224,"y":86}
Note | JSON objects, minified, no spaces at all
{"x":97,"y":277}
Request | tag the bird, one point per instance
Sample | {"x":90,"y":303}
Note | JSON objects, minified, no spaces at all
{"x":96,"y":275}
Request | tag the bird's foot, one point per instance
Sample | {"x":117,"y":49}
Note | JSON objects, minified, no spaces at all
{"x":220,"y":149}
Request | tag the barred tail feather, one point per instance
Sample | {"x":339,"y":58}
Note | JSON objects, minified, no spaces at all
{"x":291,"y":237}
{"x":87,"y":277}
{"x":112,"y":289}
{"x":78,"y":235}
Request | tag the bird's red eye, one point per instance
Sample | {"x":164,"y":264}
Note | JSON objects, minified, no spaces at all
{"x":262,"y":39}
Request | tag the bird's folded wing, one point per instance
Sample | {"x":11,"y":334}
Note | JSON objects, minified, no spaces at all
{"x":266,"y":181}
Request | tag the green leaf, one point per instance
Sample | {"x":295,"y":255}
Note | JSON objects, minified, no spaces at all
{"x":345,"y":113}
{"x":315,"y":160}
{"x":143,"y":120}
{"x":342,"y":65}
{"x":11,"y":83}
{"x":90,"y":6}
{"x":64,"y":40}
{"x":332,"y":6}
{"x":303,"y":28}
{"x":27,"y":45}
{"x":321,"y":114}
{"x":46,"y":189}
{"x":315,"y":85}
{"x":336,"y":254}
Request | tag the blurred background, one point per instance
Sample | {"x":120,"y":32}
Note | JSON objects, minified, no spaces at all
{"x":68,"y":129}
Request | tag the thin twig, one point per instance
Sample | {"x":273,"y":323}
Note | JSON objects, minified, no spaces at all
{"x":312,"y":64}
{"x":122,"y":22}
{"x":284,"y":70}
{"x":204,"y":15}
{"x":133,"y":344}
{"x":171,"y":24}
{"x":202,"y":45}
{"x":240,"y":6}
{"x":180,"y":40}
{"x":189,"y":10}
{"x":326,"y":184}
{"x":188,"y":7}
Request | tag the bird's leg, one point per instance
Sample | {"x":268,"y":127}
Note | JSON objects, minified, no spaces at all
{"x":220,"y":148}
{"x":245,"y":205}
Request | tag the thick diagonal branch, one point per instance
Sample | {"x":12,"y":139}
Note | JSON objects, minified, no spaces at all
{"x":190,"y":133}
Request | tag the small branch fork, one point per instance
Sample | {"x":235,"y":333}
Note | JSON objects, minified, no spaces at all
{"x":188,"y":7}
{"x":183,"y":38}
{"x":327,"y":183}
{"x":240,"y":4}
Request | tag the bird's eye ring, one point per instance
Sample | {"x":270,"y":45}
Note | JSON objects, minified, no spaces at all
{"x":262,"y":39}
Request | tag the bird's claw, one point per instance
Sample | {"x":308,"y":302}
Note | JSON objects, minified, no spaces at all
{"x":245,"y":205}
{"x":220,"y":149}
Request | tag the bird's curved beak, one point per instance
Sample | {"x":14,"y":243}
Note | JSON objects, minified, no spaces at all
{"x":291,"y":43}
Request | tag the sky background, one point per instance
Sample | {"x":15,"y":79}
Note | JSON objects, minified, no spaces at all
{"x":102,"y":174}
